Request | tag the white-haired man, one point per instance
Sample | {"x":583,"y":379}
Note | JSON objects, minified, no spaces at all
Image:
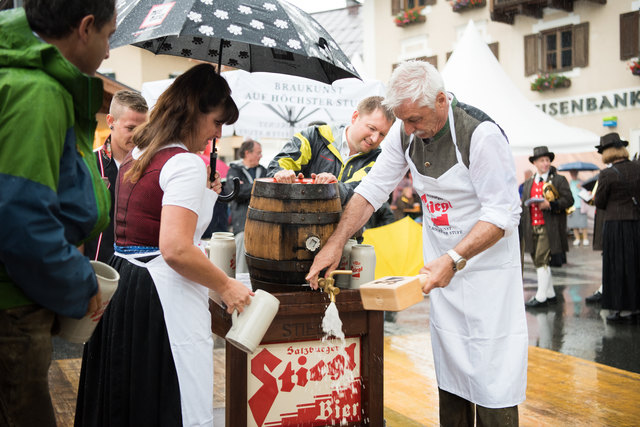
{"x":464,"y":173}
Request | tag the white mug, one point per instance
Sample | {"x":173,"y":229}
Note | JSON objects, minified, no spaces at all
{"x":248,"y":328}
{"x":80,"y":330}
{"x":363,"y":265}
{"x":219,"y":234}
{"x":343,"y":280}
{"x":222,"y":252}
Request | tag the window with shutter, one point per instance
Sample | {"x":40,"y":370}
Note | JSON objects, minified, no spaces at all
{"x":581,"y":45}
{"x":531,"y":54}
{"x":558,"y":49}
{"x":398,"y":6}
{"x":629,"y":35}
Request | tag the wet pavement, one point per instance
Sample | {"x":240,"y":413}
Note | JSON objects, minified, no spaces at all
{"x":570,"y":327}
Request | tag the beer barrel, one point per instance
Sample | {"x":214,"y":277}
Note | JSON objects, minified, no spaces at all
{"x":287,"y":224}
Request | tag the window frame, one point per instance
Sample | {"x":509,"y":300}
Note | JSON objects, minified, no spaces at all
{"x":544,"y":51}
{"x":535,"y":49}
{"x":398,"y":6}
{"x":629,"y":35}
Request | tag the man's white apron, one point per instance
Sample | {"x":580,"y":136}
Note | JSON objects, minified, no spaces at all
{"x":478,"y":328}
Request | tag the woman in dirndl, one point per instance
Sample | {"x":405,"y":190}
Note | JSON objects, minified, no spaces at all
{"x":150,"y":360}
{"x":618,"y":194}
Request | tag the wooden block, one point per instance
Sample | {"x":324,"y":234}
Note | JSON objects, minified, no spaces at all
{"x":392,"y":293}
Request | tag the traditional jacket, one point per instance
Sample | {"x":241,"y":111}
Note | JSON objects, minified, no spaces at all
{"x":316,"y":150}
{"x":616,"y":187}
{"x":52,"y":196}
{"x":555,"y":219}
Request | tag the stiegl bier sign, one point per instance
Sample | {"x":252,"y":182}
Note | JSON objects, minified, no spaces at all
{"x":304,"y":383}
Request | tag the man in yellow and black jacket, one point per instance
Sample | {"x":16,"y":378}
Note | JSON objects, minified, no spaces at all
{"x":342,"y":154}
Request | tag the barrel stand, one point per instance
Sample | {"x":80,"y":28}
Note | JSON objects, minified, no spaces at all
{"x":300,"y":319}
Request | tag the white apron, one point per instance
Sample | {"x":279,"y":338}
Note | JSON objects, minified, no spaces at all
{"x":186,"y":313}
{"x":478,"y":326}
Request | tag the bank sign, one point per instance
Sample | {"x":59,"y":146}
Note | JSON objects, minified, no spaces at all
{"x":615,"y":100}
{"x":304,"y":383}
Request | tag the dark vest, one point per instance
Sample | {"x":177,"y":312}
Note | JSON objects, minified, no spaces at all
{"x":139,"y":205}
{"x":439,"y":152}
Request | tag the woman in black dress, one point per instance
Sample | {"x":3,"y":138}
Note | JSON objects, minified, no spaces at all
{"x":618,"y":196}
{"x":150,"y":360}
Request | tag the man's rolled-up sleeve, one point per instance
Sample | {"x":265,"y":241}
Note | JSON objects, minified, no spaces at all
{"x":493,"y":176}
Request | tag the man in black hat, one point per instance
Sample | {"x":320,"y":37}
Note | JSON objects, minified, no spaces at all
{"x":544,"y":221}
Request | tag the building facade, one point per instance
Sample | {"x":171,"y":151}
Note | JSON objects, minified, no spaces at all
{"x":571,"y":58}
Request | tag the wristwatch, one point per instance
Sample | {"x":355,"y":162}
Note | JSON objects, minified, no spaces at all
{"x":458,"y":261}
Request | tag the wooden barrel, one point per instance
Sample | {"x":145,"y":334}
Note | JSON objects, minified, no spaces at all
{"x":287,"y":224}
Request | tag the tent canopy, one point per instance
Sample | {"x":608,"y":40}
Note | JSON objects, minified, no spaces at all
{"x":278,"y":106}
{"x":475,"y":76}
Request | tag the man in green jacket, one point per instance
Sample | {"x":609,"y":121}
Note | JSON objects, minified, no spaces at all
{"x":336,"y":154}
{"x":52,"y":198}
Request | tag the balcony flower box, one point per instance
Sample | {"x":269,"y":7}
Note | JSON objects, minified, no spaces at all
{"x":462,"y":5}
{"x":550,"y":82}
{"x":634,"y":66}
{"x":408,"y":17}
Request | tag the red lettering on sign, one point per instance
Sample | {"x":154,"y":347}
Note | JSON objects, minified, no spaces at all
{"x":261,"y":402}
{"x":263,"y":366}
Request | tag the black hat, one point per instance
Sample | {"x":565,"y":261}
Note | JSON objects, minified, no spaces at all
{"x":541,"y":151}
{"x":611,"y":140}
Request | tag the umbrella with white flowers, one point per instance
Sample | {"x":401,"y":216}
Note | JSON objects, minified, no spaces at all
{"x":253,"y":35}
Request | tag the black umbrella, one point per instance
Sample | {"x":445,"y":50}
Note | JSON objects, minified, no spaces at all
{"x":253,"y":35}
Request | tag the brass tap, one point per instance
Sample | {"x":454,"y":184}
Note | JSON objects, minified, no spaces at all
{"x":327,"y":284}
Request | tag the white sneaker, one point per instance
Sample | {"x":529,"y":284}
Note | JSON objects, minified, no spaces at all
{"x":576,"y":242}
{"x":585,"y":242}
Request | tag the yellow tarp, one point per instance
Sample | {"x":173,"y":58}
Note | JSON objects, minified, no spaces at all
{"x":398,"y":248}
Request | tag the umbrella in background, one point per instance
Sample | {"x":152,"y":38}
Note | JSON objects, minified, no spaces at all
{"x":253,"y":35}
{"x":398,"y":248}
{"x":578,"y":166}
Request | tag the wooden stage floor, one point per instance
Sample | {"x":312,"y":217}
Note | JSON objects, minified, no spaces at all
{"x":562,"y":390}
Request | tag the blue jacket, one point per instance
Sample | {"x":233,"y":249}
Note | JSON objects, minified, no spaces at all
{"x":51,"y":195}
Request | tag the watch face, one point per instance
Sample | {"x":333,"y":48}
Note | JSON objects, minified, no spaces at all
{"x":460,"y":264}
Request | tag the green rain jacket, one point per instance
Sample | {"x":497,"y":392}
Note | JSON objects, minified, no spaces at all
{"x":315,"y":150}
{"x":51,"y":195}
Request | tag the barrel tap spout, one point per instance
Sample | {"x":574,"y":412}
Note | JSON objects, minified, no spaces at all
{"x":327,"y":284}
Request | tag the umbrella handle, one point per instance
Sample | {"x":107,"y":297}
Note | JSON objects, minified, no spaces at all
{"x":229,"y":197}
{"x":213,"y":158}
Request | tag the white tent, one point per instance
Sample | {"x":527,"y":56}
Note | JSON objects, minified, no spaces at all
{"x":474,"y":75}
{"x":278,"y":105}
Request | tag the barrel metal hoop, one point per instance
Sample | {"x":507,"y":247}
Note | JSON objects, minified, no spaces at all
{"x":274,"y":190}
{"x":274,"y":265}
{"x":313,"y":218}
